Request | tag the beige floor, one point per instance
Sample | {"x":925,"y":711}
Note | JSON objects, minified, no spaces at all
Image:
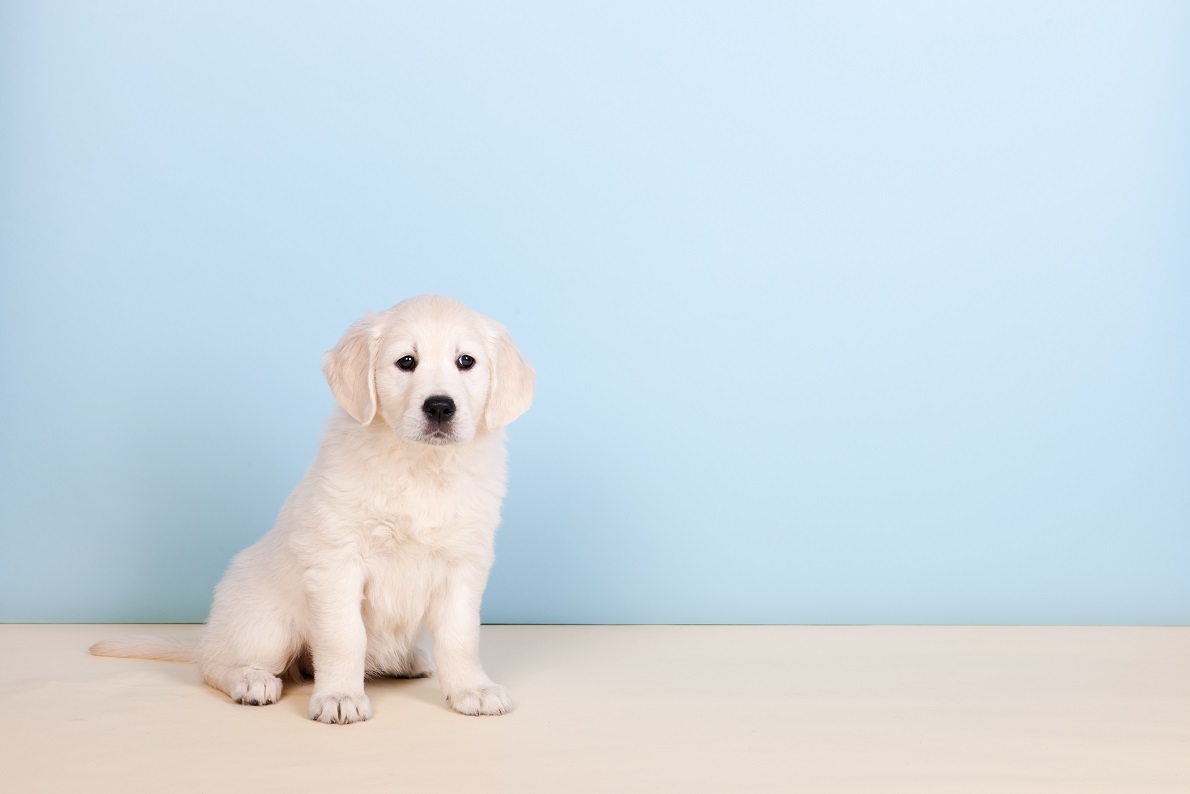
{"x":646,"y":708}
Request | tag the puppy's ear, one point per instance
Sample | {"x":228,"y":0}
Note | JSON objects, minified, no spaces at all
{"x":513,"y":379}
{"x":351,"y":369}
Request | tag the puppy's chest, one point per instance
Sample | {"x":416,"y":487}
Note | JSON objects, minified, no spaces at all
{"x":411,"y":505}
{"x":432,"y":520}
{"x":404,"y":530}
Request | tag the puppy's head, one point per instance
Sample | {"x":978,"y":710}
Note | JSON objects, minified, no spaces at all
{"x":432,"y":370}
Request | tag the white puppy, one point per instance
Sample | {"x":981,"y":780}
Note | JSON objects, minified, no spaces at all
{"x":389,"y":533}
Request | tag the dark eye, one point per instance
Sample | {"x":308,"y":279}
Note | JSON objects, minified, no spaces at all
{"x":407,"y":363}
{"x":465,"y":362}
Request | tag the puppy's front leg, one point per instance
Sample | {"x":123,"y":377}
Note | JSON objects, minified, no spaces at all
{"x":338,"y":642}
{"x":454,"y":623}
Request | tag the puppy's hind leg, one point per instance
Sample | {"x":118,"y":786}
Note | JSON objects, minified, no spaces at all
{"x":245,"y":660}
{"x":247,"y":685}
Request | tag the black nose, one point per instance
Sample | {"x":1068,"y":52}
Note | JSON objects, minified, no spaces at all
{"x":440,"y":408}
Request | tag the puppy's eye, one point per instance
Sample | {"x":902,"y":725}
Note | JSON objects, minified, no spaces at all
{"x":465,"y":362}
{"x":407,"y":363}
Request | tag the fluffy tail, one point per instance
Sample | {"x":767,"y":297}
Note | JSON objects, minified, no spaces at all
{"x":165,"y":649}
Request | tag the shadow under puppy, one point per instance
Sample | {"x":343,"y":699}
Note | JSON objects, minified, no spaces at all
{"x":390,"y":531}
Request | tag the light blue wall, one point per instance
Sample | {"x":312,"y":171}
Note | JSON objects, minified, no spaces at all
{"x":842,"y":312}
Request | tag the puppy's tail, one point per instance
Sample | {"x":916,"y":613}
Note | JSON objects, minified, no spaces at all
{"x":165,"y":649}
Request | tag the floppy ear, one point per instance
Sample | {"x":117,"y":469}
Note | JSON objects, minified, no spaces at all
{"x":350,"y":369}
{"x":511,"y":391}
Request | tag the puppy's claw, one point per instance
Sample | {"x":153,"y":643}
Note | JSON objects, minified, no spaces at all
{"x":487,"y":700}
{"x":256,"y":688}
{"x":340,"y":709}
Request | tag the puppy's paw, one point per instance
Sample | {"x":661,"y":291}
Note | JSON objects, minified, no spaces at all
{"x":255,"y":688}
{"x":486,"y":699}
{"x":340,"y":709}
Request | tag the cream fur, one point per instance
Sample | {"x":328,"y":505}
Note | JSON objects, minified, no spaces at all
{"x":389,"y":533}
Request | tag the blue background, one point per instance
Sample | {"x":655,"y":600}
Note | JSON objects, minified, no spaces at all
{"x":853,"y":312}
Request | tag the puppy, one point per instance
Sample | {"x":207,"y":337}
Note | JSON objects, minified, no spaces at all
{"x":389,"y":533}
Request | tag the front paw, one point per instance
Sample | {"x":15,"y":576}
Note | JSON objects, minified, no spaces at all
{"x":340,"y":709}
{"x":486,"y":699}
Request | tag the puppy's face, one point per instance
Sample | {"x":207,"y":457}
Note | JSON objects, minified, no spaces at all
{"x":432,"y":381}
{"x":432,"y":370}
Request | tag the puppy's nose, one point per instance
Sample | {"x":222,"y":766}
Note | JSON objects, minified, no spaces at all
{"x":439,"y":408}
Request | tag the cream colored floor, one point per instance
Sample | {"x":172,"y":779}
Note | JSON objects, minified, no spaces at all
{"x":647,"y":708}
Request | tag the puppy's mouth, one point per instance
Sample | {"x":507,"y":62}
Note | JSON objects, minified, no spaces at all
{"x":437,"y":437}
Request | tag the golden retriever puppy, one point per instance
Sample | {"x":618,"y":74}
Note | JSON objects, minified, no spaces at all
{"x":390,"y":531}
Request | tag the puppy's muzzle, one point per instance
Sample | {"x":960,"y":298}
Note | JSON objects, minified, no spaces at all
{"x":439,"y":408}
